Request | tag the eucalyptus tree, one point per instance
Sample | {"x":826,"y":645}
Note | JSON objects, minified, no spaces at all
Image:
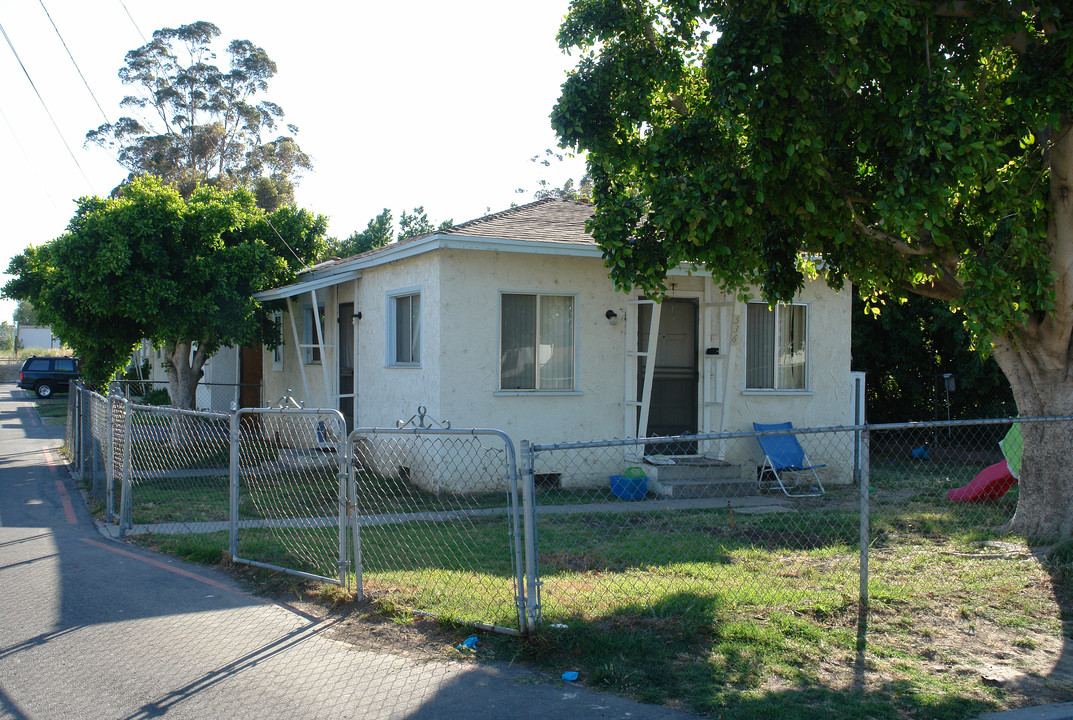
{"x":194,"y":123}
{"x":907,"y":146}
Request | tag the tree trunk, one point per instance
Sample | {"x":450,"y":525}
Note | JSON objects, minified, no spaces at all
{"x":1037,"y":359}
{"x":184,"y":372}
{"x":1044,"y":511}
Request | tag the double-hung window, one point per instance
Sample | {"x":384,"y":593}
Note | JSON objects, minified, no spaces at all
{"x":536,"y":342}
{"x":310,"y":338}
{"x":404,"y":329}
{"x":776,"y":347}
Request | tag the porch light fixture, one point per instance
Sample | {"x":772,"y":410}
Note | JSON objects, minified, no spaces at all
{"x":612,"y":317}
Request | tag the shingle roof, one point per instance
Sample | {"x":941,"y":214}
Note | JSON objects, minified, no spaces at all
{"x":548,"y":220}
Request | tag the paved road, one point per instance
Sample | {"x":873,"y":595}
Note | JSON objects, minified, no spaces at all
{"x":91,"y":628}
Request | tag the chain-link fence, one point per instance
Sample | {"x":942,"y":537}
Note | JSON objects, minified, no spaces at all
{"x":441,"y":521}
{"x":210,"y":396}
{"x":288,"y":504}
{"x":662,"y":524}
{"x":784,"y":521}
{"x":437,"y":522}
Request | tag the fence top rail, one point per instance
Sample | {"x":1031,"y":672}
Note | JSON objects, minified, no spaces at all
{"x":508,"y":444}
{"x":867,"y":427}
{"x":201,"y":383}
{"x":169,"y":410}
{"x":292,"y":411}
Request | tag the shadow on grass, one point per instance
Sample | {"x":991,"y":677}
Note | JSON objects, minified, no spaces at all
{"x":695,"y":653}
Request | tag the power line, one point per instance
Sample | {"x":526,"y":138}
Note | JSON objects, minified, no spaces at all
{"x":32,"y":165}
{"x":132,"y":21}
{"x":73,"y":62}
{"x":45,"y":106}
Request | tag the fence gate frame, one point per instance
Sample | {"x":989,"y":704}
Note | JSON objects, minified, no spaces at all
{"x":345,"y":507}
{"x":418,"y":426}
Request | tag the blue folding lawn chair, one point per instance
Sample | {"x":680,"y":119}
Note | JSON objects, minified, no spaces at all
{"x":783,"y":455}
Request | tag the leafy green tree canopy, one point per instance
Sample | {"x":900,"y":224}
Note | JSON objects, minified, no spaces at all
{"x":25,"y":314}
{"x":906,"y":146}
{"x":194,"y":123}
{"x":381,"y":231}
{"x":150,"y":264}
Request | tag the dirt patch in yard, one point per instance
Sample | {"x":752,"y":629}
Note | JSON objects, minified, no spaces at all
{"x":1021,"y":667}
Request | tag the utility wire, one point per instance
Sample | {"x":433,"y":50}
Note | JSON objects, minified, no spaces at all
{"x":45,"y":106}
{"x":73,"y":62}
{"x":287,"y":245}
{"x":30,"y":163}
{"x":132,"y":21}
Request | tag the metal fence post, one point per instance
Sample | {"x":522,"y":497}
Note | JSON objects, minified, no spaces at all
{"x":532,"y":581}
{"x":352,"y":516}
{"x":109,"y":461}
{"x":517,"y":538}
{"x":75,"y":451}
{"x":83,"y":413}
{"x":862,"y":485}
{"x":342,"y":478}
{"x":233,"y":475}
{"x":126,"y":473}
{"x":94,"y":452}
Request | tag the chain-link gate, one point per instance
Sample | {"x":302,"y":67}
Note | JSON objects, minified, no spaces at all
{"x":178,"y":470}
{"x":437,"y":523}
{"x":288,"y":492}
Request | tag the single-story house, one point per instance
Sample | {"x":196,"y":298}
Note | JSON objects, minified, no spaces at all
{"x":510,"y":321}
{"x":232,"y":376}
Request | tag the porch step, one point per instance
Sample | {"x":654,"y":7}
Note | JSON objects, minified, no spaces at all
{"x":305,"y":459}
{"x":699,"y":477}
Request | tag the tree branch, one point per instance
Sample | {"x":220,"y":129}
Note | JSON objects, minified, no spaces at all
{"x":944,"y":286}
{"x":972,"y":9}
{"x":675,"y":100}
{"x":897,"y":244}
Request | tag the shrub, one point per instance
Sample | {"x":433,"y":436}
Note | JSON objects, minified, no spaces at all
{"x":158,"y":396}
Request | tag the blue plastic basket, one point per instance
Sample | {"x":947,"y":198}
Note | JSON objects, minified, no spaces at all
{"x":629,"y":488}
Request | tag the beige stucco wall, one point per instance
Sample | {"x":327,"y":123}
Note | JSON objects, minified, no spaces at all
{"x":458,"y":375}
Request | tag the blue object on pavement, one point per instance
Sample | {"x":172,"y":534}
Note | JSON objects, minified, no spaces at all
{"x":570,"y":675}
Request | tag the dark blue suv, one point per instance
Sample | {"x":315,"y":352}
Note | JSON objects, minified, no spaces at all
{"x":47,"y":375}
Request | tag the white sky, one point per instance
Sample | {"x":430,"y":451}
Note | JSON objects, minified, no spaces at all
{"x":432,"y":103}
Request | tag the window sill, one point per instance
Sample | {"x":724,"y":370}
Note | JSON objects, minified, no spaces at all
{"x":403,"y":366}
{"x":781,"y":393}
{"x":535,"y":393}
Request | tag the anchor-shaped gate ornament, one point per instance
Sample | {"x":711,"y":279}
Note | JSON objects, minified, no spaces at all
{"x":423,"y":422}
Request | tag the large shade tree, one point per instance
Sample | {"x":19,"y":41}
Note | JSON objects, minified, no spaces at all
{"x":910,"y":146}
{"x":150,"y":264}
{"x":380,"y":231}
{"x":194,"y":123}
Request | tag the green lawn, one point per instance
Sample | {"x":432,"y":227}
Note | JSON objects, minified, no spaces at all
{"x":750,"y":617}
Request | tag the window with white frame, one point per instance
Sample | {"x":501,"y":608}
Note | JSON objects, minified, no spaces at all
{"x":311,"y":353}
{"x":776,"y":347}
{"x":536,"y":339}
{"x":404,"y":329}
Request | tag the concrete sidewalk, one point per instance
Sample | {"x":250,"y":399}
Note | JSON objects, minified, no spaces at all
{"x":1060,"y":711}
